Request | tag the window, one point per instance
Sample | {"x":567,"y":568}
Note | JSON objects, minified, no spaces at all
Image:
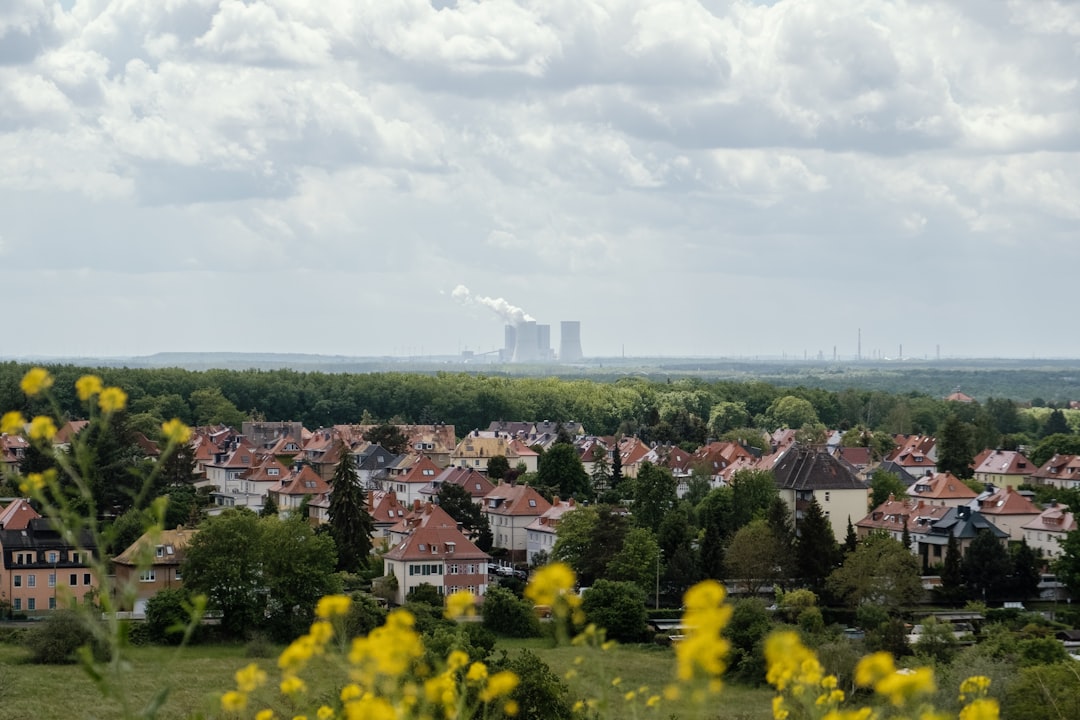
{"x":17,"y":604}
{"x":147,"y":576}
{"x":52,"y":579}
{"x":452,"y":569}
{"x":532,"y":503}
{"x":86,"y":578}
{"x":18,"y":580}
{"x":826,"y":496}
{"x":73,"y":579}
{"x":53,"y":557}
{"x":31,"y":580}
{"x":31,"y":604}
{"x":159,"y":551}
{"x":272,"y":472}
{"x":52,"y":603}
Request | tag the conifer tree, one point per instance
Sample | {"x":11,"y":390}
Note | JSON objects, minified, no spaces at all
{"x":815,"y":550}
{"x":851,"y":540}
{"x":952,"y":577}
{"x":351,"y":524}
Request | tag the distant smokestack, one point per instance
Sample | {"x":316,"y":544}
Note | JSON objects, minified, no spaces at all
{"x":510,"y":342}
{"x":570,"y":341}
{"x":510,"y":313}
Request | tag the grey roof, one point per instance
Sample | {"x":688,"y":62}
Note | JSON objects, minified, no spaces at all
{"x":813,"y":468}
{"x":899,"y":470}
{"x":963,"y":524}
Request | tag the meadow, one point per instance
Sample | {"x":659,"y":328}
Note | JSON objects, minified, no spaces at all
{"x":197,"y":675}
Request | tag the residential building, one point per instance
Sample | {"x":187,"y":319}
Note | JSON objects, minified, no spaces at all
{"x":1060,"y":471}
{"x":41,"y":571}
{"x":1008,"y":510}
{"x":1046,"y":532}
{"x":435,"y":552}
{"x":941,"y":489}
{"x":408,"y":485}
{"x":962,"y":523}
{"x":17,"y":515}
{"x":893,"y":515}
{"x":1004,"y":468}
{"x":804,"y":473}
{"x":471,"y":480}
{"x":916,"y":454}
{"x":300,"y":483}
{"x":541,"y":532}
{"x":510,"y":509}
{"x":151,"y":564}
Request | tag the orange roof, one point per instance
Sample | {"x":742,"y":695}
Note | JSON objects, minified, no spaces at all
{"x":385,"y":508}
{"x":17,"y":515}
{"x":432,"y":534}
{"x":423,"y":471}
{"x":1059,"y":467}
{"x":1055,"y":518}
{"x":304,"y":482}
{"x":892,"y":514}
{"x":519,"y":500}
{"x":1007,"y":502}
{"x":942,"y":486}
{"x":1005,"y":462}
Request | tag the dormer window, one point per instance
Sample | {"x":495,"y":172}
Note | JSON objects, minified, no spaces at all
{"x":450,"y":547}
{"x":159,"y":551}
{"x":272,"y":472}
{"x":532,"y":503}
{"x":434,"y":549}
{"x":423,"y":547}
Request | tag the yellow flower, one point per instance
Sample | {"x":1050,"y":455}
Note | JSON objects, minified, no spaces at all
{"x":176,"y":432}
{"x":874,"y":667}
{"x":499,"y":684}
{"x":902,"y":685}
{"x":977,"y":685}
{"x":12,"y":423}
{"x":332,"y":606}
{"x":325,"y":713}
{"x":296,"y":655}
{"x":42,"y":429}
{"x":653,"y":701}
{"x":790,"y":663}
{"x":703,"y":650}
{"x":351,"y":691}
{"x":250,"y":678}
{"x":35,"y":381}
{"x":550,"y":583}
{"x":88,"y":386}
{"x":457,"y":660}
{"x":477,"y":673}
{"x":629,"y":695}
{"x":33,"y":484}
{"x":291,"y":685}
{"x":267,"y":714}
{"x":511,"y":708}
{"x":233,"y":702}
{"x":112,"y":399}
{"x":980,"y":709}
{"x":460,"y":604}
{"x":321,"y":632}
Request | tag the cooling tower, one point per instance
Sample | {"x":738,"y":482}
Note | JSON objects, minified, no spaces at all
{"x":570,"y":341}
{"x":526,"y":349}
{"x":543,"y":342}
{"x":509,"y":343}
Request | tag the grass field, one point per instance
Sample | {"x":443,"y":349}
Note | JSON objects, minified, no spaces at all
{"x":199,"y":674}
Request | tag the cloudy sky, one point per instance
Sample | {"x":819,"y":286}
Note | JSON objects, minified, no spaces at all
{"x":703,"y":177}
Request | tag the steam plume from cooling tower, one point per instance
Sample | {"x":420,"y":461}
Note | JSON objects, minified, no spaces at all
{"x":510,"y":313}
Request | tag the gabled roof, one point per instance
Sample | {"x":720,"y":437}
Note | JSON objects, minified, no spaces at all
{"x":172,"y":544}
{"x":632,"y":450}
{"x":475,"y":482}
{"x":304,"y":481}
{"x":1059,"y":467}
{"x":809,"y":468}
{"x":892,"y":514}
{"x":549,"y":520}
{"x":1005,"y":462}
{"x":68,"y":431}
{"x":1007,"y":502}
{"x":268,"y":469}
{"x":1055,"y":518}
{"x":959,"y":397}
{"x":385,"y":508}
{"x":941,"y":486}
{"x":517,"y":500}
{"x":963,"y":523}
{"x":17,"y":515}
{"x":433,"y":535}
{"x":423,"y":471}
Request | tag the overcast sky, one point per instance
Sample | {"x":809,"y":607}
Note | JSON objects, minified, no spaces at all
{"x":685,"y":178}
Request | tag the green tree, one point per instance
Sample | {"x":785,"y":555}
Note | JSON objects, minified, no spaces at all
{"x":677,"y":538}
{"x":752,"y":493}
{"x":389,"y":437}
{"x":952,"y":573}
{"x":1067,"y":566}
{"x":986,"y":567}
{"x":497,"y":467}
{"x":637,"y":561}
{"x":790,"y":411}
{"x":754,"y":556}
{"x":726,"y":416}
{"x":351,"y":524}
{"x":1024,"y":582}
{"x":716,"y":516}
{"x":1042,"y":692}
{"x":955,"y":448}
{"x":618,"y":607}
{"x":1058,"y":443}
{"x":224,"y":562}
{"x":816,"y":552}
{"x":269,"y":508}
{"x":458,"y":504}
{"x":851,"y":540}
{"x":587,"y":538}
{"x":883,"y":484}
{"x":210,"y":407}
{"x":540,"y":694}
{"x":779,"y":519}
{"x":506,"y":614}
{"x":880,"y":571}
{"x":561,"y":470}
{"x":1055,"y":424}
{"x":298,"y":568}
{"x":653,"y":492}
{"x":168,"y":611}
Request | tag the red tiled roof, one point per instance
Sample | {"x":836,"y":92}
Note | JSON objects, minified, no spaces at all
{"x":1056,"y":518}
{"x":1005,"y":462}
{"x":942,"y":486}
{"x":17,"y":515}
{"x":1007,"y":502}
{"x":519,"y":500}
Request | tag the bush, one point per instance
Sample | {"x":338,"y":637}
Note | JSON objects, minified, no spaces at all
{"x":505,"y":614}
{"x":166,"y":616}
{"x":541,"y":694}
{"x":259,"y":646}
{"x":619,"y":607}
{"x":425,"y":593}
{"x":365,"y":614}
{"x":55,"y":641}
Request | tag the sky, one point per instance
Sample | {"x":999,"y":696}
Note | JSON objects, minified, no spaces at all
{"x":705,"y":178}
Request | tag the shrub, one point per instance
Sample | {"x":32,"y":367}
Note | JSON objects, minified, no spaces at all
{"x":541,"y":694}
{"x":166,"y":616}
{"x":619,"y":607}
{"x":55,"y":641}
{"x":365,"y":614}
{"x":505,"y":614}
{"x":425,"y":593}
{"x":259,"y":646}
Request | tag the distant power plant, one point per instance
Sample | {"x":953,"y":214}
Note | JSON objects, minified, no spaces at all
{"x":525,"y":340}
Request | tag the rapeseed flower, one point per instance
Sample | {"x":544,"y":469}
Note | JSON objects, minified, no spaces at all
{"x":176,"y":432}
{"x":111,"y":400}
{"x":703,"y":650}
{"x":12,"y":423}
{"x":35,"y":381}
{"x":332,"y":606}
{"x":233,"y":701}
{"x":42,"y":429}
{"x":250,"y":678}
{"x":88,"y":386}
{"x":460,"y":604}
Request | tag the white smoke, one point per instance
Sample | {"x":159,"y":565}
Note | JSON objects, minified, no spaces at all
{"x":510,"y":313}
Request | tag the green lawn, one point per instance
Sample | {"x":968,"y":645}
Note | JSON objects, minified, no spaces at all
{"x":200,"y":673}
